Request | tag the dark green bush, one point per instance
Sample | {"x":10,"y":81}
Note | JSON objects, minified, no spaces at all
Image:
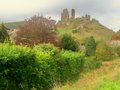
{"x":69,"y":65}
{"x":90,"y":46}
{"x":69,"y":43}
{"x":3,"y":33}
{"x":23,"y":68}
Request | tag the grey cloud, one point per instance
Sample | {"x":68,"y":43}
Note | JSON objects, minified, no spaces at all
{"x":107,"y":11}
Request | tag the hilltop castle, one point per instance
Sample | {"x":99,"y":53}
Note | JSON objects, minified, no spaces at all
{"x":65,"y":16}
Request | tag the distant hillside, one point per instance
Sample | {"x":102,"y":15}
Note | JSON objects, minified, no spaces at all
{"x":14,"y":25}
{"x":77,"y":28}
{"x":82,"y":30}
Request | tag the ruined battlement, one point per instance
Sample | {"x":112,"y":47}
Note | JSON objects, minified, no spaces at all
{"x":66,"y":16}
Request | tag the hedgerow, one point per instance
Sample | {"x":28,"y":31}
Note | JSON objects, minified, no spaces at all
{"x":24,"y":68}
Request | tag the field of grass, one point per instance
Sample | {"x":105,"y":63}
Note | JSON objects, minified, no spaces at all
{"x":62,"y":31}
{"x":14,"y":25}
{"x":108,"y":84}
{"x":105,"y":78}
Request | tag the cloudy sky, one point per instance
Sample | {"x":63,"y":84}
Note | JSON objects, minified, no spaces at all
{"x":106,"y":11}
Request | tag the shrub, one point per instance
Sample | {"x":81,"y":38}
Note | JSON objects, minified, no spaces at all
{"x":69,"y":43}
{"x":117,"y":50}
{"x":18,"y":68}
{"x":49,"y":48}
{"x":69,"y":65}
{"x":104,"y":52}
{"x":23,"y":68}
{"x":90,"y":46}
{"x":3,"y":33}
{"x":91,"y":63}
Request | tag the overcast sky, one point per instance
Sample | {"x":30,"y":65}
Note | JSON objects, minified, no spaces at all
{"x":106,"y":11}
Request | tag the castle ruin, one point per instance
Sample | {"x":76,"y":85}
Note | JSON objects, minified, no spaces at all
{"x":86,"y":18}
{"x":73,"y":14}
{"x":66,"y":17}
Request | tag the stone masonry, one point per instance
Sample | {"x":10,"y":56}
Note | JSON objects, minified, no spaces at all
{"x":65,"y":15}
{"x":73,"y":14}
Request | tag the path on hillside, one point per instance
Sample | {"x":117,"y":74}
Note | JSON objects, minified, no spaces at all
{"x":109,"y":69}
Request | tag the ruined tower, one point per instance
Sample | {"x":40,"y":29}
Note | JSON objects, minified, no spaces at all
{"x":73,"y":14}
{"x":65,"y":15}
{"x":87,"y":18}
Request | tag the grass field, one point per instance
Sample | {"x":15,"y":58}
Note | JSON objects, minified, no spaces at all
{"x":14,"y":25}
{"x":105,"y":78}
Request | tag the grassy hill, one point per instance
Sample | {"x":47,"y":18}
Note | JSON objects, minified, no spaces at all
{"x":100,"y":79}
{"x":14,"y":25}
{"x":81,"y":31}
{"x":78,"y":29}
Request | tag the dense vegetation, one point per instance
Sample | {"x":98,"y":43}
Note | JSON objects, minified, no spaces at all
{"x":36,"y":30}
{"x":24,"y":68}
{"x":90,"y":46}
{"x":3,"y":33}
{"x":69,"y":43}
{"x":43,"y":66}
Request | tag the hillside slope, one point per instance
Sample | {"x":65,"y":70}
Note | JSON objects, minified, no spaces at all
{"x":77,"y":28}
{"x":14,"y":25}
{"x":105,"y":78}
{"x":83,"y":30}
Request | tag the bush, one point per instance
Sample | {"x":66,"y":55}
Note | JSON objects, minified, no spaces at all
{"x":91,"y":63}
{"x":69,"y":65}
{"x":18,"y":68}
{"x":3,"y":33}
{"x":117,"y":50}
{"x":69,"y":43}
{"x":49,"y":48}
{"x":23,"y":68}
{"x":90,"y":46}
{"x":104,"y":52}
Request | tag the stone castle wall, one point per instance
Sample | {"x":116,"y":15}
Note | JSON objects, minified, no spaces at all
{"x":65,"y":16}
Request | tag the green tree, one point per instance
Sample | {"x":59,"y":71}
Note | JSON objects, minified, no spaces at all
{"x":3,"y":33}
{"x":90,"y":46}
{"x":69,"y":43}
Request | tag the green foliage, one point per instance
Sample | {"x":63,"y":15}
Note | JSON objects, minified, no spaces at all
{"x":117,"y":50}
{"x":13,"y":25}
{"x":76,"y":31}
{"x":3,"y":33}
{"x":69,"y":65}
{"x":69,"y":43}
{"x":24,"y":68}
{"x":104,"y":52}
{"x":107,"y":84}
{"x":49,"y":48}
{"x":91,"y":63}
{"x":19,"y":70}
{"x":90,"y":46}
